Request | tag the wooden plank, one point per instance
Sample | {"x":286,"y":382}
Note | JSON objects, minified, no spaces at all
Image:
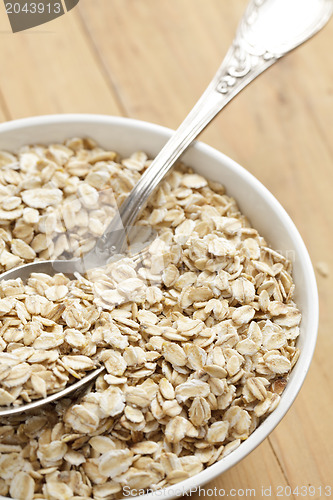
{"x":248,"y":479}
{"x":51,"y":69}
{"x":303,"y":441}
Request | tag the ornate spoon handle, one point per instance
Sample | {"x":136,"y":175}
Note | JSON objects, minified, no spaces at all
{"x":268,"y":30}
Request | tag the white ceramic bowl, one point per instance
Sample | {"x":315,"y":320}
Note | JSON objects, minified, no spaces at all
{"x":264,"y":211}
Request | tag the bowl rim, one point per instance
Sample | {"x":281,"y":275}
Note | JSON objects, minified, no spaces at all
{"x":302,"y":366}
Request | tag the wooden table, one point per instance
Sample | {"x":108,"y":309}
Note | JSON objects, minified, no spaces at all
{"x":151,"y":59}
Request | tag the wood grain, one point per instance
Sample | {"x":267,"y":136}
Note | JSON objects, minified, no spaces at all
{"x":151,"y":60}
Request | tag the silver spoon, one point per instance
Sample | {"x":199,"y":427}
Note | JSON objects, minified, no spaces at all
{"x":268,"y":30}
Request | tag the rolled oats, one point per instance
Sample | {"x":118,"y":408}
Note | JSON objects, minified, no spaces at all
{"x":198,"y":336}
